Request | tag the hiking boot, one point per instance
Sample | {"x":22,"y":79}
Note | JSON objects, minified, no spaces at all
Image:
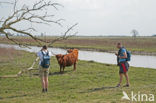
{"x":118,"y":85}
{"x":46,"y":90}
{"x":43,"y":90}
{"x":127,"y":85}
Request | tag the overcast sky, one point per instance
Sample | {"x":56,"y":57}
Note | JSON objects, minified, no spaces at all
{"x":103,"y":17}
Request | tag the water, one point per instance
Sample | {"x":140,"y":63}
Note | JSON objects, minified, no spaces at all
{"x":101,"y":57}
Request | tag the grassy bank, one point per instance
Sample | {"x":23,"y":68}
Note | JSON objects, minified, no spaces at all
{"x":91,"y":83}
{"x":140,"y":45}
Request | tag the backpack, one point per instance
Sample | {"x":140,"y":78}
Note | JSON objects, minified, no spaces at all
{"x":45,"y":63}
{"x":128,"y":56}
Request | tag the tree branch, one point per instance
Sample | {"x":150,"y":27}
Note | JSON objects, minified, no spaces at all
{"x":29,"y":15}
{"x":64,"y":36}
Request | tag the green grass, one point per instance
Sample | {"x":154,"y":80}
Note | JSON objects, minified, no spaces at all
{"x":91,"y":83}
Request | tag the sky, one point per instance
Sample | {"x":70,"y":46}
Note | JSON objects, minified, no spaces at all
{"x":100,"y":17}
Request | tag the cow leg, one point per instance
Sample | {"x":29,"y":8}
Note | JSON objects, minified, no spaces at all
{"x":63,"y":69}
{"x":60,"y":68}
{"x":74,"y":66}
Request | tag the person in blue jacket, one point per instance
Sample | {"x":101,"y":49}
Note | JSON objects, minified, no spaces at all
{"x":123,"y":64}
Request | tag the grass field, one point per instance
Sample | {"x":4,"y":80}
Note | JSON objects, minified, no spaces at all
{"x":140,"y":45}
{"x":91,"y":83}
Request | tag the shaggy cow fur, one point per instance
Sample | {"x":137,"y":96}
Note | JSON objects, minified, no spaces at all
{"x":68,"y":60}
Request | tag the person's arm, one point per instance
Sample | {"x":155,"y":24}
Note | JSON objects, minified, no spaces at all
{"x":116,"y":54}
{"x":50,"y":54}
{"x":39,"y":54}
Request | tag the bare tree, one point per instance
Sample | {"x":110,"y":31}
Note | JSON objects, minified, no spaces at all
{"x":30,"y":14}
{"x":135,"y":33}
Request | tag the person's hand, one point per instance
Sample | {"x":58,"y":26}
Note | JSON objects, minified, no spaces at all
{"x":116,"y":54}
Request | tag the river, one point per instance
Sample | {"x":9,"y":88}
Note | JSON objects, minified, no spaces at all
{"x":101,"y":57}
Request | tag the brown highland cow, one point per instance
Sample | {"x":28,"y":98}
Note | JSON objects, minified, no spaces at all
{"x":68,"y":60}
